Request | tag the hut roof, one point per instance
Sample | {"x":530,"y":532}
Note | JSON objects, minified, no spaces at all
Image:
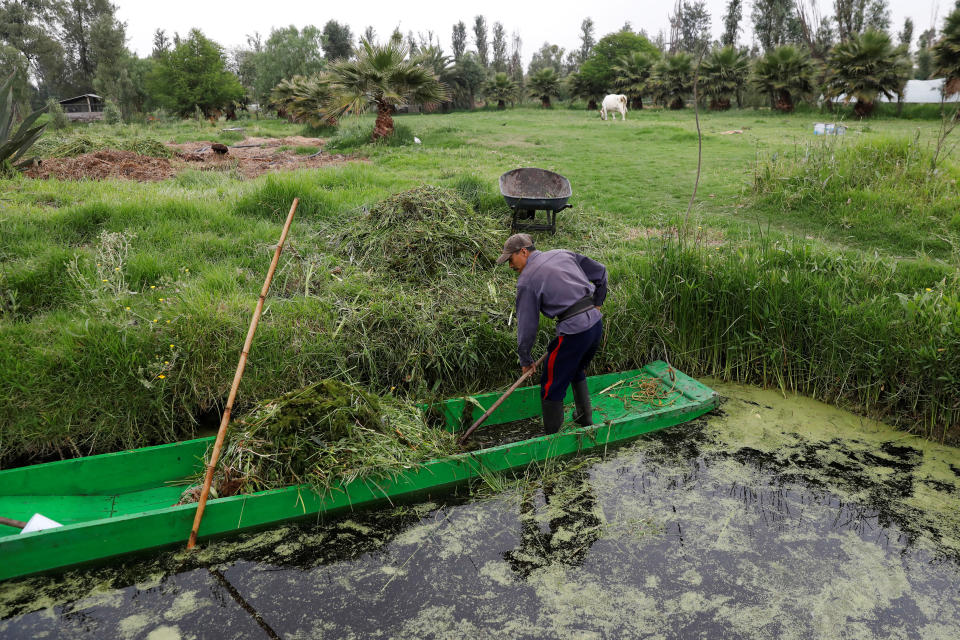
{"x":81,"y":97}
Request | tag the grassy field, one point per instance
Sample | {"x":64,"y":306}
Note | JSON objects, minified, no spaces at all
{"x":825,"y":266}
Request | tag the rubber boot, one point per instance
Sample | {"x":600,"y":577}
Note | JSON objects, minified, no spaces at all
{"x":583,"y":415}
{"x":552,"y":415}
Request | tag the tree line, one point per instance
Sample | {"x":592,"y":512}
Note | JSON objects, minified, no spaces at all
{"x":60,"y":48}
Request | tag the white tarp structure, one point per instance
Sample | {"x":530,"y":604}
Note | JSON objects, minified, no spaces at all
{"x":923,"y":92}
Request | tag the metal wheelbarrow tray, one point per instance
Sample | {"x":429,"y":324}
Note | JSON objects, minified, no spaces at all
{"x":528,"y":190}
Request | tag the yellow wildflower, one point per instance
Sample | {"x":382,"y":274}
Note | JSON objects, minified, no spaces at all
{"x":152,"y":287}
{"x":929,"y":289}
{"x":161,"y":376}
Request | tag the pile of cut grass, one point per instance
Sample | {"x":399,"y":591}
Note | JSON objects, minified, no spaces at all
{"x":75,"y":145}
{"x":325,"y":434}
{"x":420,"y":234}
{"x":883,"y":192}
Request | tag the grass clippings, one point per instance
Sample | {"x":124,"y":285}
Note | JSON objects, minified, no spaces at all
{"x":422,"y":233}
{"x":327,"y":433}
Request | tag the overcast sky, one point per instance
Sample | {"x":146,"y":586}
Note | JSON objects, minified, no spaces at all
{"x":558,"y":21}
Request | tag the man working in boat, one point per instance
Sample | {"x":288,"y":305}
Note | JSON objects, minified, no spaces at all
{"x":570,"y":287}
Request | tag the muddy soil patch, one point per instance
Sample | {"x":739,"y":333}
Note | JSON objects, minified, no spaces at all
{"x":256,"y":156}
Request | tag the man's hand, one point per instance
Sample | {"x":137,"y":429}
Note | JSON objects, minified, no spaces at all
{"x":530,"y":368}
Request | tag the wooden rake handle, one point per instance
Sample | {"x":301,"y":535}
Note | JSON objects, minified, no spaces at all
{"x":500,"y":400}
{"x":218,"y":444}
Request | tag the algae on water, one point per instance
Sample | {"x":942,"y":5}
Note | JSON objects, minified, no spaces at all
{"x":325,"y":433}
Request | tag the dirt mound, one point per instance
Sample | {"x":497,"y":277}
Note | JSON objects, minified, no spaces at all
{"x":103,"y":165}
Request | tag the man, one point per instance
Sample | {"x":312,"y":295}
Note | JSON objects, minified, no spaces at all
{"x":570,"y":287}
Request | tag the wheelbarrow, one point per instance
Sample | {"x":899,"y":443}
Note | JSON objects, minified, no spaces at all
{"x":529,"y":190}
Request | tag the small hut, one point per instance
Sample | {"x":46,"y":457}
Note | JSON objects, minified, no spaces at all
{"x":85,"y":108}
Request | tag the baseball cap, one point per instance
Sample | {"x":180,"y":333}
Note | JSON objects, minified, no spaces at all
{"x":513,"y":244}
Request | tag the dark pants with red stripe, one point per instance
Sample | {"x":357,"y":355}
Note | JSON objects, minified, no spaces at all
{"x":567,"y":360}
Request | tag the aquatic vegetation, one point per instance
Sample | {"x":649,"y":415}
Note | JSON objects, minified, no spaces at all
{"x":327,"y":433}
{"x":420,"y":234}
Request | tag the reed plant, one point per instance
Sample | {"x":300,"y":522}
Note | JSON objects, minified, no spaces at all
{"x":881,"y":192}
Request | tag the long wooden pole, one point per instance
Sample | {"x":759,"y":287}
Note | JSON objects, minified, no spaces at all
{"x":500,"y":400}
{"x":236,"y":380}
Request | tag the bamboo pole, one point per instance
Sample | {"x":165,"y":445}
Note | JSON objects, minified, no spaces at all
{"x":500,"y":400}
{"x":201,"y":505}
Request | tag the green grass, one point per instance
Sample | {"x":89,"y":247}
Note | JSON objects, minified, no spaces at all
{"x":107,"y":286}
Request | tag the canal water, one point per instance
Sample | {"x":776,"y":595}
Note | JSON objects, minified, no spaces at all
{"x":772,"y":517}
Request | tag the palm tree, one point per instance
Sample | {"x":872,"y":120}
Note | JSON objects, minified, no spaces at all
{"x":501,"y":88}
{"x":947,"y":54}
{"x":382,"y":75}
{"x":785,"y":73}
{"x":582,"y":85}
{"x":633,"y":76}
{"x":723,"y":73}
{"x":281,"y":97}
{"x":673,"y":79}
{"x":864,"y":67}
{"x":543,"y":84}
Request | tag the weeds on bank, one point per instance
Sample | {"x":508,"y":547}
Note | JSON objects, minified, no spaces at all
{"x":882,"y":192}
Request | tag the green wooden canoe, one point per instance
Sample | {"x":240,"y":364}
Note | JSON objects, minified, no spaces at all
{"x":120,"y":503}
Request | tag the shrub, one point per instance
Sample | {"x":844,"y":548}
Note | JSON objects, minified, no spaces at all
{"x":111,"y":112}
{"x":58,"y":118}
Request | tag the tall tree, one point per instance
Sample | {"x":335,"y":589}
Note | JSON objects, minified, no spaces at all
{"x":775,"y":23}
{"x":286,"y":53}
{"x":906,"y":36}
{"x":467,"y":78}
{"x":480,"y":40}
{"x":691,"y":24}
{"x":815,"y":30}
{"x":731,"y":23}
{"x":459,"y":40}
{"x":925,"y":63}
{"x":516,"y":62}
{"x":587,"y":40}
{"x":337,"y":41}
{"x":161,"y":43}
{"x":499,"y":48}
{"x":856,"y":16}
{"x":28,"y":32}
{"x":90,"y":34}
{"x":194,"y":75}
{"x":548,"y":55}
